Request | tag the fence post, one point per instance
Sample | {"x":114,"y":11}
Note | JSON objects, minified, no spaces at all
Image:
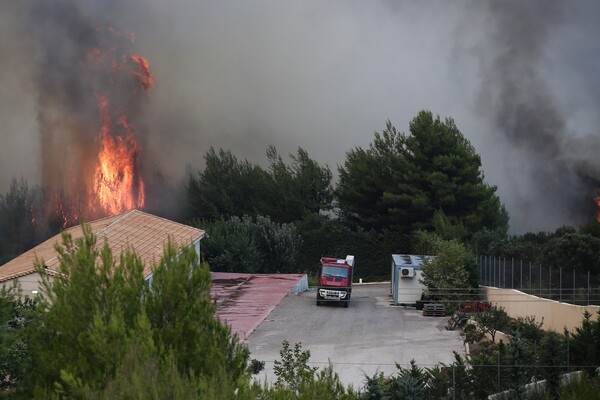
{"x":499,"y":272}
{"x":512,"y":273}
{"x":479,"y":258}
{"x":492,"y":271}
{"x":485,"y":270}
{"x":521,"y":284}
{"x":560,"y":284}
{"x":588,"y":291}
{"x":540,"y":292}
{"x":503,"y":272}
{"x":550,"y":282}
{"x":530,"y":285}
{"x":574,"y":294}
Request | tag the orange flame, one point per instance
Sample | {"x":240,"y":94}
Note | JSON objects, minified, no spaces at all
{"x":118,"y":186}
{"x":143,"y":73}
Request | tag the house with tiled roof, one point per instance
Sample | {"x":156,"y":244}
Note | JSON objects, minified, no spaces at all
{"x":145,"y":233}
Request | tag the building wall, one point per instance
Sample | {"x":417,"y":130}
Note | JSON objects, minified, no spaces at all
{"x":29,"y":284}
{"x":408,"y":290}
{"x":556,"y":315}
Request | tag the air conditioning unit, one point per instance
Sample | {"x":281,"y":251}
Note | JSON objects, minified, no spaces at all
{"x":407,"y":272}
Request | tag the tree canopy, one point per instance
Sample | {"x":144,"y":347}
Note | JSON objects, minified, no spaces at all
{"x":100,"y":316}
{"x":250,"y":244}
{"x":401,"y":180}
{"x":285,"y":192}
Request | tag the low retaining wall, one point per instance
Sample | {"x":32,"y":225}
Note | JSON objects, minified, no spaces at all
{"x":556,"y":315}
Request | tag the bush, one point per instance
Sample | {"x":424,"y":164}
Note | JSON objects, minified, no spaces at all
{"x":250,"y":244}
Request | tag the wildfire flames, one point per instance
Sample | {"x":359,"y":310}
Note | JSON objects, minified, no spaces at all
{"x":102,"y":174}
{"x":117,"y":185}
{"x":598,"y":204}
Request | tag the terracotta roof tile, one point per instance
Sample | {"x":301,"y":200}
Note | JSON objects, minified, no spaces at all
{"x":145,"y":233}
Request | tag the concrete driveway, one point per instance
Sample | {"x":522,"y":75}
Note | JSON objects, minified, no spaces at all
{"x":370,"y":335}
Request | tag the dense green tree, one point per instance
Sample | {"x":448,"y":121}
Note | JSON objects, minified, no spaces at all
{"x":230,"y":247}
{"x":517,"y":357}
{"x":364,"y":179}
{"x":528,"y":328}
{"x":286,"y":193}
{"x":17,"y":220}
{"x":303,"y":187}
{"x":591,"y":228}
{"x":569,"y":250}
{"x":401,"y":180}
{"x":527,"y":247}
{"x":564,"y":248}
{"x":92,"y":314}
{"x":292,"y":370}
{"x":296,"y":379}
{"x":416,"y":383}
{"x":227,"y":186}
{"x":250,"y":244}
{"x":448,"y":228}
{"x":100,"y":313}
{"x":552,"y":357}
{"x":584,"y":344}
{"x":142,"y":377}
{"x":15,"y":313}
{"x":181,"y":313}
{"x":491,"y":321}
{"x":452,"y":272}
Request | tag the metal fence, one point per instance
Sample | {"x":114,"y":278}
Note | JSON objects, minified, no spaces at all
{"x":556,"y":283}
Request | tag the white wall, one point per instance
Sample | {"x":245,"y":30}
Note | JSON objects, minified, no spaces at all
{"x":29,"y":284}
{"x":410,"y":289}
{"x":556,"y":315}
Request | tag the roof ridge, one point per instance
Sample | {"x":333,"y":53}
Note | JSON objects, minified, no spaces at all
{"x":167,"y":220}
{"x":46,"y":262}
{"x":140,"y":228}
{"x":120,"y":217}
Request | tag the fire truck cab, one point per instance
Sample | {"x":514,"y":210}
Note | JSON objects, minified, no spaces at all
{"x":335,"y":280}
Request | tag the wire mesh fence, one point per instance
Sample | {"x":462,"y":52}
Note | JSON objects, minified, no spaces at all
{"x":497,"y":380}
{"x":556,"y":283}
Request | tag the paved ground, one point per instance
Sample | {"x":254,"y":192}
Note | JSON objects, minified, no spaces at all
{"x":245,"y":300}
{"x":366,"y":337}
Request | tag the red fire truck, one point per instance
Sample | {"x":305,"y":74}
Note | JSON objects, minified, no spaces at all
{"x":335,"y":280}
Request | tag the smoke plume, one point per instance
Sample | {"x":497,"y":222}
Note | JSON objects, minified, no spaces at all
{"x":557,"y":170}
{"x":519,"y":78}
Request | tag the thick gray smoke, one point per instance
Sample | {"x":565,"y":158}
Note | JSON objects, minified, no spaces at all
{"x":519,"y":78}
{"x":525,"y":94}
{"x":85,"y":83}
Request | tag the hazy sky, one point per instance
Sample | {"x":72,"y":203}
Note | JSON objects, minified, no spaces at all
{"x":519,"y":78}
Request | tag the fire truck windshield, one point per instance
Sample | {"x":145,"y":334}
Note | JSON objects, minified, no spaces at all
{"x":335,"y":271}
